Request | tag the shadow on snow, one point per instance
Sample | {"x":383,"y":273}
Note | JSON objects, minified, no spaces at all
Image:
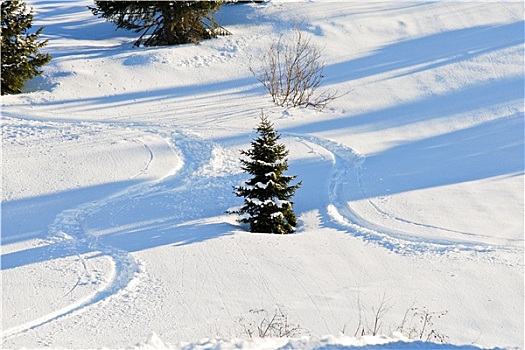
{"x":29,"y":218}
{"x":178,"y":215}
{"x":494,"y":148}
{"x":428,"y":52}
{"x":468,"y":99}
{"x":167,"y":216}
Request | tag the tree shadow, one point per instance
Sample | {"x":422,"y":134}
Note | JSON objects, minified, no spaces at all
{"x":428,"y":52}
{"x":490,"y":149}
{"x":468,"y":99}
{"x":486,"y":150}
{"x":174,"y":213}
{"x":29,"y":218}
{"x":146,"y":236}
{"x":166,"y":232}
{"x":187,"y":203}
{"x":76,"y":22}
{"x":196,"y":92}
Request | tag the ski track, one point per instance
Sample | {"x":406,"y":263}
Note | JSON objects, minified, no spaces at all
{"x":150,"y":152}
{"x":347,"y":168}
{"x":69,"y":231}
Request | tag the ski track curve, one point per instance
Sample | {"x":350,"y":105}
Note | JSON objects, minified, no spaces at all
{"x":69,"y":231}
{"x":151,"y":156}
{"x":347,"y":166}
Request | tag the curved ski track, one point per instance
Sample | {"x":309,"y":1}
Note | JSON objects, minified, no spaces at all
{"x":69,"y":229}
{"x":347,"y":172}
{"x":70,"y":232}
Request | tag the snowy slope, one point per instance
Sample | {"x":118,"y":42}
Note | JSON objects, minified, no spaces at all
{"x":118,"y":165}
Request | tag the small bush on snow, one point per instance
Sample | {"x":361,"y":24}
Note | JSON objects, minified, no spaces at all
{"x":292,"y":71}
{"x":417,"y":323}
{"x":261,"y":324}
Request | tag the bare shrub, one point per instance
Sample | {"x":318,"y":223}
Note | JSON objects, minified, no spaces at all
{"x":370,"y":325}
{"x":417,"y":323}
{"x":292,"y":71}
{"x":260,"y":324}
{"x":421,"y":325}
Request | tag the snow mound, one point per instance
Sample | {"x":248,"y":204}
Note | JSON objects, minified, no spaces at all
{"x":397,"y":341}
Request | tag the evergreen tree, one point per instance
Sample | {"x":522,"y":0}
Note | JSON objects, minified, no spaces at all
{"x":267,"y":206}
{"x":163,"y":22}
{"x":20,"y":56}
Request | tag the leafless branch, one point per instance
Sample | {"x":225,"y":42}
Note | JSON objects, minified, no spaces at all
{"x":292,"y":71}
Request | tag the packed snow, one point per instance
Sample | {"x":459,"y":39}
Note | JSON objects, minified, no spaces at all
{"x":118,"y":168}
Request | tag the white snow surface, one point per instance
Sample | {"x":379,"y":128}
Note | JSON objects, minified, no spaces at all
{"x":118,"y":165}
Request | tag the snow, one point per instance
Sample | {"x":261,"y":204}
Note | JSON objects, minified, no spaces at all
{"x":272,"y":201}
{"x":306,"y":343}
{"x":118,"y":165}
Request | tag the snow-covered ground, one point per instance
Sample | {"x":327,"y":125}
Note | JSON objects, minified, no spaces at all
{"x":118,"y":165}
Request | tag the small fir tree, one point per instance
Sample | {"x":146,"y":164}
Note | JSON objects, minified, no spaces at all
{"x":267,"y":206}
{"x":20,"y":56}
